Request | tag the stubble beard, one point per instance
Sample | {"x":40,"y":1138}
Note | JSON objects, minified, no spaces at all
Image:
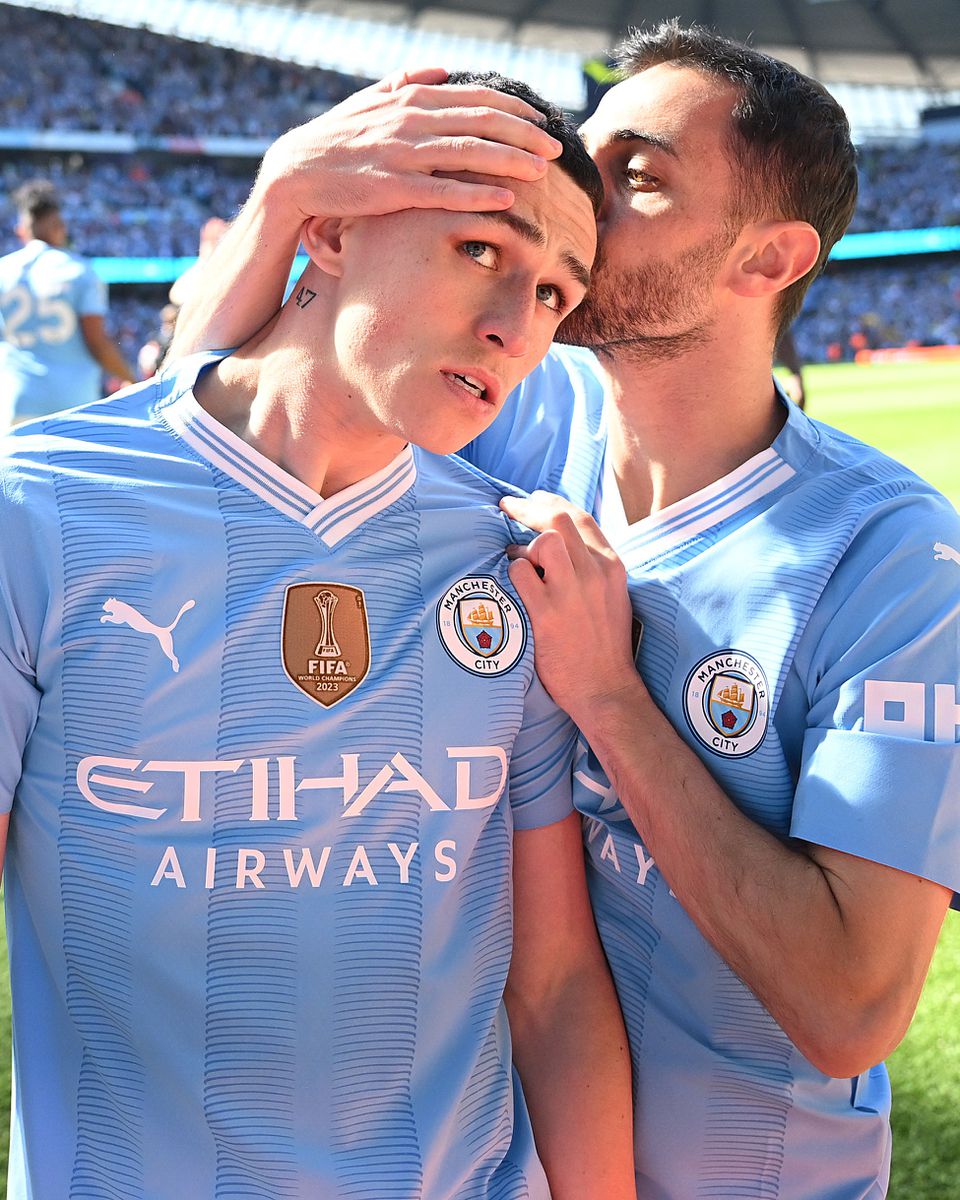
{"x":653,"y":313}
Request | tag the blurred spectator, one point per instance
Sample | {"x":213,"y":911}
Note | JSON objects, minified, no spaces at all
{"x":152,"y":353}
{"x":52,"y":307}
{"x":211,"y":233}
{"x":887,"y":303}
{"x":787,"y":356}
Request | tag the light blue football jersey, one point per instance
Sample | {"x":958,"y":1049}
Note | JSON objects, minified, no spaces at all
{"x":45,"y":365}
{"x":800,"y":630}
{"x":258,"y":885}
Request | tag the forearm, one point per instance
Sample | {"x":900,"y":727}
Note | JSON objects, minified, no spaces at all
{"x":768,"y":908}
{"x":105,"y":350}
{"x":113,"y":362}
{"x":242,"y":282}
{"x":571,"y":1054}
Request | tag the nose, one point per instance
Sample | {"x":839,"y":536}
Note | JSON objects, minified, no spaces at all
{"x":507,"y":323}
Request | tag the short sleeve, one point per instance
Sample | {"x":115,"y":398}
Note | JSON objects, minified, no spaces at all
{"x":880,"y":768}
{"x":542,"y":762}
{"x":91,"y":294}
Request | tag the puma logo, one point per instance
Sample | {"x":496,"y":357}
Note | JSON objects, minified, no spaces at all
{"x":118,"y":612}
{"x":941,"y":552}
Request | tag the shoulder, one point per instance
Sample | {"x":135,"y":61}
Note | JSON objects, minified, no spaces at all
{"x":879,"y":545}
{"x":58,"y":444}
{"x":550,"y":431}
{"x":846,"y":484}
{"x":566,"y":373}
{"x":450,"y":481}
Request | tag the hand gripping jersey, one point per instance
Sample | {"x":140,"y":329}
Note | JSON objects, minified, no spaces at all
{"x":45,"y":365}
{"x":800,"y":630}
{"x":259,"y":871}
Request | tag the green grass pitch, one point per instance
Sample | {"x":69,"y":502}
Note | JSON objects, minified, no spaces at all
{"x":912,"y":412}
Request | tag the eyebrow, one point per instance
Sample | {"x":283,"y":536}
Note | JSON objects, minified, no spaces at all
{"x":654,"y":140}
{"x":531,"y":232}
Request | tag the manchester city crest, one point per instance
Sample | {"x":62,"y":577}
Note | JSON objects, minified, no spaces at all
{"x":481,"y":626}
{"x":726,"y":702}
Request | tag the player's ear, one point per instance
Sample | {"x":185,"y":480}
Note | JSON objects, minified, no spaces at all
{"x":774,"y":255}
{"x":322,"y":239}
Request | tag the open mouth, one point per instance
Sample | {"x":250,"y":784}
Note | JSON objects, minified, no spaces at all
{"x":473,"y":386}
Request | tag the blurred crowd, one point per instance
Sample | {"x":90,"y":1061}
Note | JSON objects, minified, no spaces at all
{"x":908,"y":187}
{"x":875,"y":306}
{"x":62,"y":73}
{"x":59,"y":72}
{"x":133,"y":206}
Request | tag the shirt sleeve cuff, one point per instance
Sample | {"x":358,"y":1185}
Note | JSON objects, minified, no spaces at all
{"x":891,"y":800}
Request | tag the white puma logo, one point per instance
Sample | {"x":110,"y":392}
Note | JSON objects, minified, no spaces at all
{"x":118,"y":612}
{"x":942,"y":552}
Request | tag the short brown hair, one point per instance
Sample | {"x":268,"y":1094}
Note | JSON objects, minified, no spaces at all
{"x":36,"y":199}
{"x":789,"y":138}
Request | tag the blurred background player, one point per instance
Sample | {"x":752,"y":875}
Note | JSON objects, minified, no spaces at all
{"x":54,"y":344}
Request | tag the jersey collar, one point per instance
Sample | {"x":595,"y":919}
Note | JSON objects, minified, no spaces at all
{"x":664,"y":532}
{"x":332,"y":518}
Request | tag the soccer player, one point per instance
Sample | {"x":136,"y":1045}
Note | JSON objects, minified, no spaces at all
{"x":285,"y":789}
{"x":769,"y":767}
{"x":53,"y":344}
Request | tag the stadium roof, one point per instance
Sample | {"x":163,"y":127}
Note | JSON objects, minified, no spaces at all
{"x":857,"y":41}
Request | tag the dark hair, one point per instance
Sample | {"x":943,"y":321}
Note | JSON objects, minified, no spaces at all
{"x":35,"y":199}
{"x":574,"y":159}
{"x":788,"y":136}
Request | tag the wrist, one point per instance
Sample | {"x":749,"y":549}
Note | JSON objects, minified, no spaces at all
{"x":608,"y":707}
{"x":276,"y":190}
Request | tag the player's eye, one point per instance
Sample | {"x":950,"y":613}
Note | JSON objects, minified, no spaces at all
{"x":481,"y":252}
{"x":551,"y":296}
{"x":640,"y":179}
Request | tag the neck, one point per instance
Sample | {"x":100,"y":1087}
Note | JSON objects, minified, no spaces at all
{"x":283,"y":402}
{"x":679,"y":424}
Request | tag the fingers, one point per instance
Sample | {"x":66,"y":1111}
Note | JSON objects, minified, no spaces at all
{"x":457,"y":195}
{"x":411,"y":141}
{"x":543,"y":511}
{"x":483,"y":112}
{"x":547,"y":553}
{"x":400,"y":79}
{"x":483,"y":99}
{"x":525,"y":579}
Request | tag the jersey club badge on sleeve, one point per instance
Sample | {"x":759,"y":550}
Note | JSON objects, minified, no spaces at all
{"x":481,"y":627}
{"x":726,"y":701}
{"x":325,"y":640}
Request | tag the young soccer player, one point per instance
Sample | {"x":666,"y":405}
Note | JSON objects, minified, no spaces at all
{"x":286,"y":793}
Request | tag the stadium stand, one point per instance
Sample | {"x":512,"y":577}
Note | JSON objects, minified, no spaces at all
{"x":63,"y":73}
{"x":188,"y":123}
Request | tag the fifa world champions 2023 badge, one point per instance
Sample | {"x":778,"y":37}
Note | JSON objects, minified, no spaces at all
{"x":481,"y":627}
{"x":325,"y":640}
{"x":726,"y":700}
